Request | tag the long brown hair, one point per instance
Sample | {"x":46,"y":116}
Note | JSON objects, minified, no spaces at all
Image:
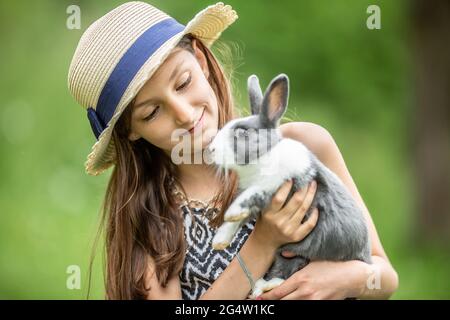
{"x":140,"y":218}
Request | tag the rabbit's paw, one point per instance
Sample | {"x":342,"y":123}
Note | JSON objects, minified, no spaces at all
{"x":220,"y":245}
{"x":225,"y":234}
{"x":262,"y":286}
{"x":221,"y":240}
{"x":236,"y":213}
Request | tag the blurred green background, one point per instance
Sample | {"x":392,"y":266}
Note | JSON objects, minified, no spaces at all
{"x":355,"y":82}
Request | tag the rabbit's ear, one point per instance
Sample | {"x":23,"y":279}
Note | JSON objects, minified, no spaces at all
{"x":275,"y":100}
{"x":255,"y":94}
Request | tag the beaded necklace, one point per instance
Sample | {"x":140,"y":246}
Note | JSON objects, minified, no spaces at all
{"x":206,"y":208}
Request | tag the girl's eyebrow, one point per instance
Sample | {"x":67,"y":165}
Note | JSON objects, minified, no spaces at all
{"x":174,"y":73}
{"x":143,"y":103}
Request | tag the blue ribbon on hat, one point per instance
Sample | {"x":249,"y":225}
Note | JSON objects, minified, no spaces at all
{"x":127,"y":67}
{"x":97,"y":125}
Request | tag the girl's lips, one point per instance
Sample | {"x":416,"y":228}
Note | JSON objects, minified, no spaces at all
{"x":199,"y":122}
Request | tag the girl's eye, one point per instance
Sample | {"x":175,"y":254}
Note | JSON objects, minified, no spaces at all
{"x":184,"y":84}
{"x":152,"y":114}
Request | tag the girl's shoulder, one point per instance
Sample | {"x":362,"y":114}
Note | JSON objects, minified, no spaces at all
{"x":315,"y":137}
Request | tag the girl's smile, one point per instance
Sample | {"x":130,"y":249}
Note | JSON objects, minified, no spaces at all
{"x":199,"y":124}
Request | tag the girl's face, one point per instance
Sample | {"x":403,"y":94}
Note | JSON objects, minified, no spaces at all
{"x":176,"y":96}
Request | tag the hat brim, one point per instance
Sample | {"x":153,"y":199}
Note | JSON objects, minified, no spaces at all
{"x":207,"y":25}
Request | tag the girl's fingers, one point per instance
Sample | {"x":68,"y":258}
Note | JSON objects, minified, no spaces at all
{"x":311,"y":193}
{"x":307,"y":226}
{"x":301,"y":210}
{"x":280,"y":196}
{"x":288,"y":286}
{"x":288,"y":254}
{"x":295,"y":201}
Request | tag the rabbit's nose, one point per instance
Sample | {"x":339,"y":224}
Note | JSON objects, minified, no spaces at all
{"x":209,"y":153}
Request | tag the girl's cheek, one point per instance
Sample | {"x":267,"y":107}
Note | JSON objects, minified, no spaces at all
{"x":196,"y":92}
{"x":201,"y":85}
{"x":161,"y":139}
{"x":204,"y":95}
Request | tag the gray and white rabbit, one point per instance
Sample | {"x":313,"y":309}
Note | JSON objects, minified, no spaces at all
{"x":263,"y":160}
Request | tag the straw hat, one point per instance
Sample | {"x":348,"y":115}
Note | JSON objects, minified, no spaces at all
{"x":119,"y":52}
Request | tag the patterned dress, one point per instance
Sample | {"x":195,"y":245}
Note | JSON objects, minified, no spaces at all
{"x":203,"y":265}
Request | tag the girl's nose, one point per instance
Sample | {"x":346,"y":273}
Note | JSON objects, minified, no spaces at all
{"x":183,"y":113}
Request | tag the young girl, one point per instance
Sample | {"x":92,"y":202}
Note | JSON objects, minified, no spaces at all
{"x":142,"y":76}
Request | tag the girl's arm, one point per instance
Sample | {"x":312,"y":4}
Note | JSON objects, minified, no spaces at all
{"x":272,"y":229}
{"x":378,"y":280}
{"x":231,"y":284}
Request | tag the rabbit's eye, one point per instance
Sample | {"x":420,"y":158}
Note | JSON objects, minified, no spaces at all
{"x":240,"y":133}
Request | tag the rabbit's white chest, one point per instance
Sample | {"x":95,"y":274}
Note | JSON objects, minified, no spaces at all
{"x":289,"y":157}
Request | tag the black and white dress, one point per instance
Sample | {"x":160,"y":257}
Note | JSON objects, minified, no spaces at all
{"x":202,"y":264}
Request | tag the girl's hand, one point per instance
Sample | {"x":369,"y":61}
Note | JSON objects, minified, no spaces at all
{"x":277,"y":226}
{"x":322,"y":280}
